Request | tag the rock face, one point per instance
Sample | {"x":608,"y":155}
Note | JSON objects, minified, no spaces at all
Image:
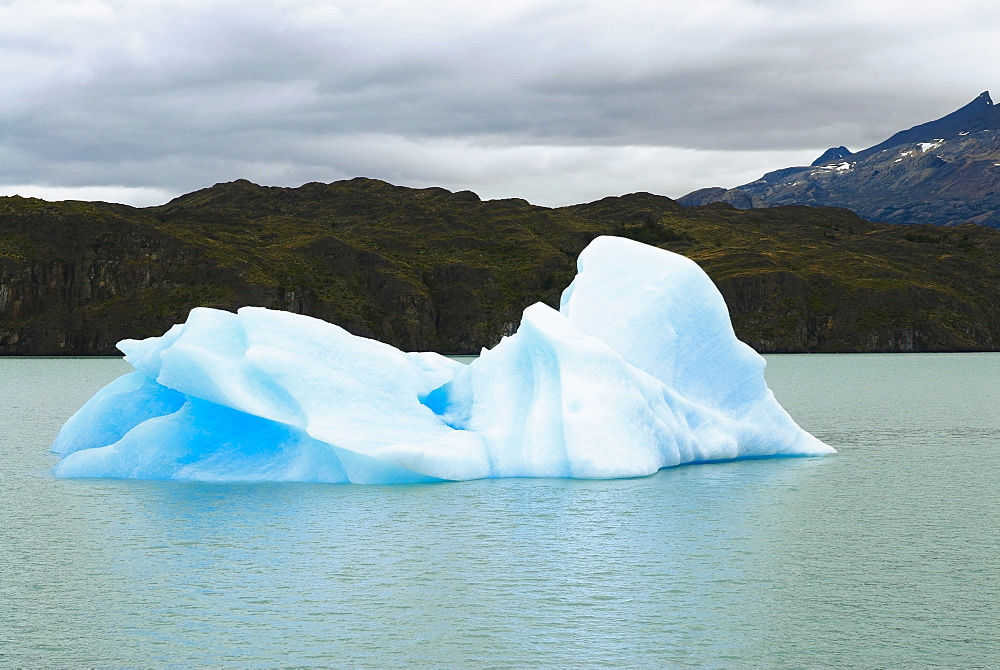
{"x":737,"y":198}
{"x":944,"y":172}
{"x":427,"y":269}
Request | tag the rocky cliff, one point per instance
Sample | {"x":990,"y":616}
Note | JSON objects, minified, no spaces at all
{"x":435,"y":270}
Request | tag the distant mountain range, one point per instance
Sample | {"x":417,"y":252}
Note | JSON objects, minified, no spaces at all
{"x":943,"y":172}
{"x":428,"y":269}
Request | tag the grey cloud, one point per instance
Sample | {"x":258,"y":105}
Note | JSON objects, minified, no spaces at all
{"x":187,"y":94}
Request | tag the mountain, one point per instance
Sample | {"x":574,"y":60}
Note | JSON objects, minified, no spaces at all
{"x":428,"y":269}
{"x":943,"y":172}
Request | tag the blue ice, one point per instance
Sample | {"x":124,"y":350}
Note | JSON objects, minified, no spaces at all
{"x":638,"y":370}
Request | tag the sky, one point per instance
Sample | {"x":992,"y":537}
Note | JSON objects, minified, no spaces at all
{"x":555,"y":101}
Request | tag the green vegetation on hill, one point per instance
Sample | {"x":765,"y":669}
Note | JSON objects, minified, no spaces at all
{"x":432,"y":269}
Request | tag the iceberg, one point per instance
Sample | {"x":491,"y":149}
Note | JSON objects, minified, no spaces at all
{"x":638,"y":370}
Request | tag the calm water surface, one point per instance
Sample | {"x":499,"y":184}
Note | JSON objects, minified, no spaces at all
{"x":885,"y":555}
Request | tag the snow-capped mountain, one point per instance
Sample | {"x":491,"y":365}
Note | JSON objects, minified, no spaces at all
{"x":941,"y":172}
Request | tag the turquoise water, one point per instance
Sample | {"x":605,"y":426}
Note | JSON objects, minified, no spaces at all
{"x":884,"y":555}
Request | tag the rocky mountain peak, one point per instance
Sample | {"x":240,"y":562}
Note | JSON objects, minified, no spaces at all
{"x":832,"y":154}
{"x":980,"y":114}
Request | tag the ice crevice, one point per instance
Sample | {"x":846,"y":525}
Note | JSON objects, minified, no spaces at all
{"x":638,"y":370}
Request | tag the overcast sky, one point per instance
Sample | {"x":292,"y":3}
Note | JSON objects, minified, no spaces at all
{"x":555,"y":101}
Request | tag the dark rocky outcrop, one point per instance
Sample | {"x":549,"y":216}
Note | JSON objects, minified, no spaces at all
{"x":433,"y":270}
{"x":831,"y":155}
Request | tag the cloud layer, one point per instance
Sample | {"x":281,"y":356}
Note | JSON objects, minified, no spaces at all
{"x":557,"y":101}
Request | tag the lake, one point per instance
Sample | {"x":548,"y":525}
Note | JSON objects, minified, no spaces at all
{"x":884,"y":555}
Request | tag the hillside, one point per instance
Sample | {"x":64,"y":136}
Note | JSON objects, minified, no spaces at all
{"x":943,"y":172}
{"x":434,"y":270}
